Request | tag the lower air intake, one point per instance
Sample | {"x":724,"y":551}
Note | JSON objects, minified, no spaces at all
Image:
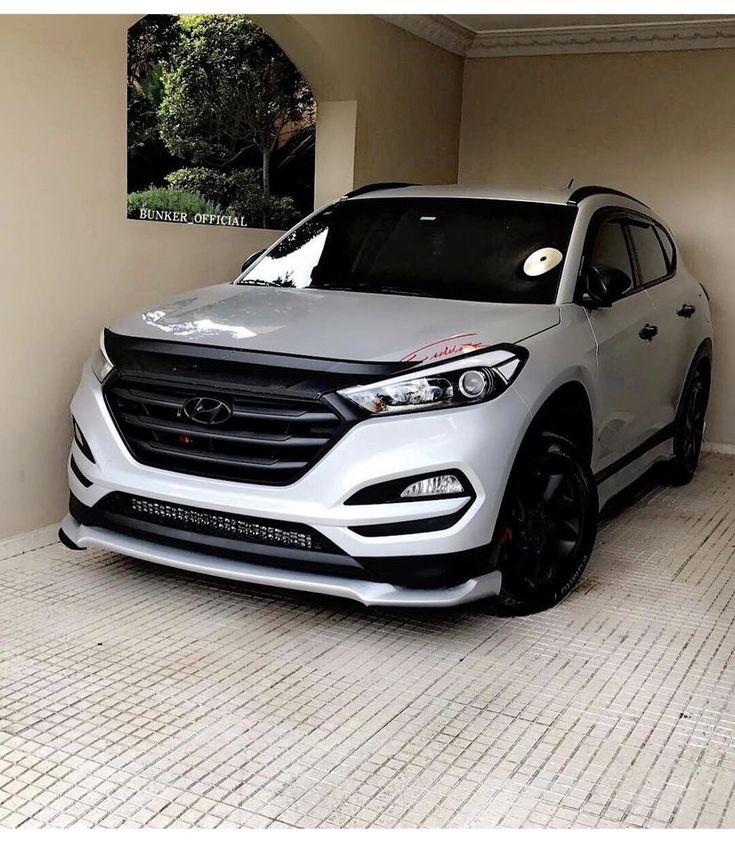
{"x":234,"y":527}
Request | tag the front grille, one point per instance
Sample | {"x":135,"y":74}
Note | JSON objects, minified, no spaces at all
{"x":217,"y":524}
{"x":268,"y":439}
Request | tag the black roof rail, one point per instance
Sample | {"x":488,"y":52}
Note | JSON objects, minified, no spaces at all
{"x":375,"y":187}
{"x":586,"y":191}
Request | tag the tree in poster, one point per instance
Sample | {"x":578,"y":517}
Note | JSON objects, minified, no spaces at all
{"x":151,"y":41}
{"x":228,"y":89}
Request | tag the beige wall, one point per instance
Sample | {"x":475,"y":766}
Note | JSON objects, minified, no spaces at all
{"x":69,"y":259}
{"x":335,"y":150}
{"x":659,"y":125}
{"x":408,"y":92}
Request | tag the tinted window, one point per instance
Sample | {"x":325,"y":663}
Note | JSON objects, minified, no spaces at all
{"x":650,"y":254}
{"x":452,"y":248}
{"x":668,"y":247}
{"x":611,"y":249}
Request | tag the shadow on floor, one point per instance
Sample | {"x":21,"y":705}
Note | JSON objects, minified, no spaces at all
{"x":643,"y":486}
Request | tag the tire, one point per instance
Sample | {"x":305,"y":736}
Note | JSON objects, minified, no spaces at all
{"x":689,"y":427}
{"x":547,"y":526}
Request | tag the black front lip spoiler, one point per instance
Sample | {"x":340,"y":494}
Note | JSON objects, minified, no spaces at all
{"x":68,"y":543}
{"x":443,"y":570}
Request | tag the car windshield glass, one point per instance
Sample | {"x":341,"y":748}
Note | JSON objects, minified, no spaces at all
{"x":450,"y":248}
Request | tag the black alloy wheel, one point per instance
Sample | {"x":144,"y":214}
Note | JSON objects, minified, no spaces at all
{"x":689,"y":428}
{"x":547,"y":525}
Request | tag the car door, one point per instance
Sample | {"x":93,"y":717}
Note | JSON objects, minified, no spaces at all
{"x":626,"y":344}
{"x":676,"y":300}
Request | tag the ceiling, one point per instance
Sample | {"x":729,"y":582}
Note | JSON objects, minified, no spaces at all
{"x":512,"y":35}
{"x":485,"y":23}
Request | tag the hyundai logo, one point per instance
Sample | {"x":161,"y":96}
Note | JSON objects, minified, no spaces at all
{"x":207,"y":411}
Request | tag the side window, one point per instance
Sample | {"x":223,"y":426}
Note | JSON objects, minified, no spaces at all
{"x":668,"y":247}
{"x":611,"y":249}
{"x":651,"y":258}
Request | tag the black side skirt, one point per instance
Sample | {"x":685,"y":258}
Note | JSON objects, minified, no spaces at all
{"x":654,"y":440}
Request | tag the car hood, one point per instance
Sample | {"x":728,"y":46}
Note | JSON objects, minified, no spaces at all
{"x":336,"y":325}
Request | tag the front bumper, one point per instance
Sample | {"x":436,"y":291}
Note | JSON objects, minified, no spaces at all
{"x":369,"y":593}
{"x":447,"y":565}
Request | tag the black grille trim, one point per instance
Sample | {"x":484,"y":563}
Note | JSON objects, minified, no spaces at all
{"x":83,"y":480}
{"x":411,"y":527}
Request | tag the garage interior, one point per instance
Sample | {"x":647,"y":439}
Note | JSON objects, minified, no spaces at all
{"x":135,"y":696}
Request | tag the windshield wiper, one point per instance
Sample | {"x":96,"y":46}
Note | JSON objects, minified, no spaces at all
{"x":377,"y":290}
{"x":398,"y":291}
{"x":259,"y":282}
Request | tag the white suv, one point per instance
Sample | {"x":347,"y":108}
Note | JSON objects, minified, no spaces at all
{"x":420,"y":395}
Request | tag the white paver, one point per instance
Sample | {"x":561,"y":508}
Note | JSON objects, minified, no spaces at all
{"x":134,"y":695}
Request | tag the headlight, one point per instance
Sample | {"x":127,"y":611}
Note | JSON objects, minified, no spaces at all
{"x":482,"y":377}
{"x":101,"y":366}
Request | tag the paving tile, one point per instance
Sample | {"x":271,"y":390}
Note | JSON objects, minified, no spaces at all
{"x":131,"y":695}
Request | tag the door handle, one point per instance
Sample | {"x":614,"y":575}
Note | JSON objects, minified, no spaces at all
{"x":648,"y":332}
{"x":686,"y":310}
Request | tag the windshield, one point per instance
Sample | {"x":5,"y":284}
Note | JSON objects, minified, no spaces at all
{"x":450,"y":248}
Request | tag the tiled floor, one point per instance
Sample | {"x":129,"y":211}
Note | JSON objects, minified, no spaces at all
{"x":132,"y":695}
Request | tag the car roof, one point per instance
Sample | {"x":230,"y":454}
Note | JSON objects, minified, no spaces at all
{"x":455,"y":190}
{"x":486,"y":191}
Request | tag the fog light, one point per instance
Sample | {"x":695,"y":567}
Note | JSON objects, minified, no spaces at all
{"x":445,"y":485}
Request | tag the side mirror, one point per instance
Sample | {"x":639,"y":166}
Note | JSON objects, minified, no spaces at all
{"x":605,"y":284}
{"x":253,"y":257}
